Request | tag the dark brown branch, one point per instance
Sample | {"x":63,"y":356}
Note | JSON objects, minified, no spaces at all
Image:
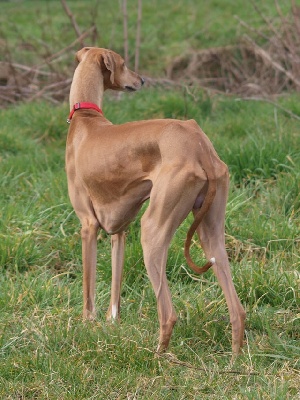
{"x":73,"y":21}
{"x":125,"y":32}
{"x":138,"y":37}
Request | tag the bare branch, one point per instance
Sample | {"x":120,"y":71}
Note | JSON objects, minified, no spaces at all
{"x":138,"y":37}
{"x":285,"y":110}
{"x":73,"y":21}
{"x":69,"y":47}
{"x":125,"y":31}
{"x":267,"y":57}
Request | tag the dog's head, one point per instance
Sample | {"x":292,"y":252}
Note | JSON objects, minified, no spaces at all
{"x":116,"y":75}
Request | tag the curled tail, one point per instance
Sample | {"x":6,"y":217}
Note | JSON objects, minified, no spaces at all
{"x":210,"y":195}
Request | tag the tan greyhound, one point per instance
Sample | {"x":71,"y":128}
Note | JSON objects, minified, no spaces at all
{"x":113,"y":169}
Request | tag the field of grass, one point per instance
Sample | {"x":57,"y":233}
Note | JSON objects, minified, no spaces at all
{"x":46,"y":350}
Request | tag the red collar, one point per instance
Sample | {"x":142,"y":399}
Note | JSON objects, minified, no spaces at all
{"x":83,"y":105}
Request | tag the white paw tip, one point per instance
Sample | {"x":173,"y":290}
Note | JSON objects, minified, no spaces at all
{"x":212,"y":260}
{"x":114,"y":312}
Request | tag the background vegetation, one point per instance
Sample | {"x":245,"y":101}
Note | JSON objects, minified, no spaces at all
{"x":46,"y":351}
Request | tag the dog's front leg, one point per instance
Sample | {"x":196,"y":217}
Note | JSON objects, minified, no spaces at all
{"x":117,"y":263}
{"x":89,"y":261}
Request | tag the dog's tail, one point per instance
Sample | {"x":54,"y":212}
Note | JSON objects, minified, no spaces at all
{"x":210,"y":195}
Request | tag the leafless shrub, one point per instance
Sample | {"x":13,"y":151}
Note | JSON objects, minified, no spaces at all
{"x":48,"y":79}
{"x":249,"y":68}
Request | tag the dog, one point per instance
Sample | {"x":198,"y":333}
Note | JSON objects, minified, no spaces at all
{"x":113,"y":169}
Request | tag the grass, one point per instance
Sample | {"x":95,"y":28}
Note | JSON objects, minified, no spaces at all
{"x":48,"y":352}
{"x":46,"y":349}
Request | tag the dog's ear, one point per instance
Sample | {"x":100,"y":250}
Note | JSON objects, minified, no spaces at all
{"x":110,"y":64}
{"x":81,"y":53}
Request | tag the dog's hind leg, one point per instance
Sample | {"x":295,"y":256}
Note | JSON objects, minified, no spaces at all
{"x":117,"y":263}
{"x":172,"y":198}
{"x":212,"y":237}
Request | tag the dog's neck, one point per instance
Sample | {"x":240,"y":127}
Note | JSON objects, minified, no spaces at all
{"x":93,"y":88}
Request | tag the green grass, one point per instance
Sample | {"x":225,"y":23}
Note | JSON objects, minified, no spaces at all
{"x":46,"y":350}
